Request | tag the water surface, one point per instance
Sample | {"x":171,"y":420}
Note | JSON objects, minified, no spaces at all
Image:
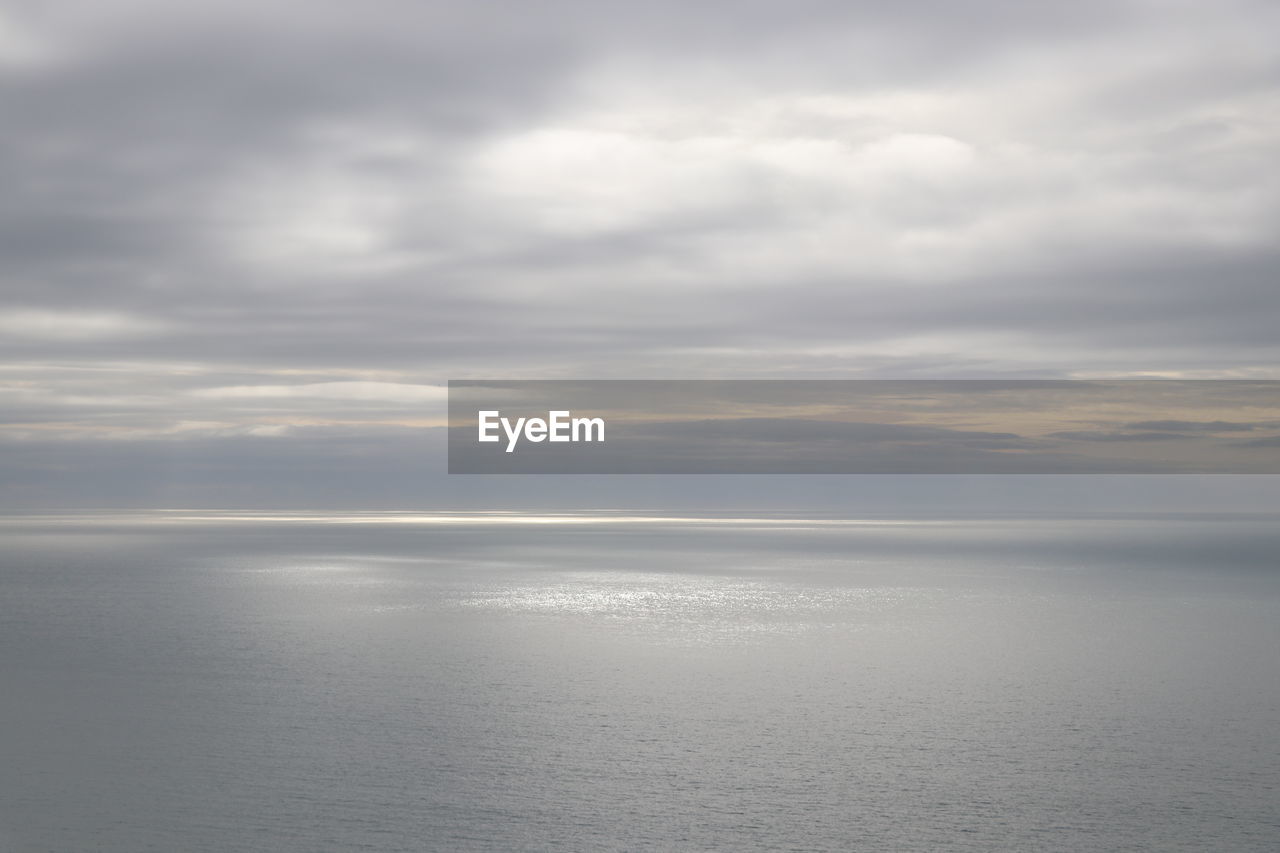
{"x":211,"y":682}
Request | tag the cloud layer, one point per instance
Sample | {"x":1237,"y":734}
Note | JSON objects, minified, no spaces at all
{"x":243,"y":219}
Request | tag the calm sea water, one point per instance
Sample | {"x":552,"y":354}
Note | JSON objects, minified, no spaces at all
{"x":186,"y":682}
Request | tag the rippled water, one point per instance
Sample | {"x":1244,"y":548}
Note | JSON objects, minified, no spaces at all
{"x":218,"y":683}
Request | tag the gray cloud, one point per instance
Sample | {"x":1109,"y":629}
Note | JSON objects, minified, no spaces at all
{"x":1194,"y":426}
{"x":231,"y":195}
{"x":755,"y":431}
{"x":1269,"y":441}
{"x":1104,"y":435}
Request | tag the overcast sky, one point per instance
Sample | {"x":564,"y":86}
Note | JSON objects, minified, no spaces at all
{"x":242,"y":244}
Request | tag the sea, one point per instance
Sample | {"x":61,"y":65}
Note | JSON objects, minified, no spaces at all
{"x":620,"y":681}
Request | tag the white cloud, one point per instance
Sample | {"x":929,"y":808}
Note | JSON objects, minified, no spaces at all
{"x":78,"y":325}
{"x":987,"y":177}
{"x":21,"y":47}
{"x":381,"y":392}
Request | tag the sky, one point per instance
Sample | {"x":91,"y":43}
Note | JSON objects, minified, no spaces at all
{"x":243,"y":245}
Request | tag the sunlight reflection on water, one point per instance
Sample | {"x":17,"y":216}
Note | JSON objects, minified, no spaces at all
{"x":666,"y":684}
{"x":670,"y":608}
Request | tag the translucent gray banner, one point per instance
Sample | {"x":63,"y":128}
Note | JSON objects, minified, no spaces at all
{"x":864,"y":427}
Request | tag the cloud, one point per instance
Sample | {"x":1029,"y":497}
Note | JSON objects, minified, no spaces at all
{"x":20,"y":48}
{"x":1106,"y":435}
{"x":424,"y":191}
{"x":68,"y":326}
{"x":807,"y":432}
{"x":1194,"y":426}
{"x":379,"y":392}
{"x":1269,"y":441}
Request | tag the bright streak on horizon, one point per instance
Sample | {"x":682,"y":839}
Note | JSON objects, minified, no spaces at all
{"x":446,"y":518}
